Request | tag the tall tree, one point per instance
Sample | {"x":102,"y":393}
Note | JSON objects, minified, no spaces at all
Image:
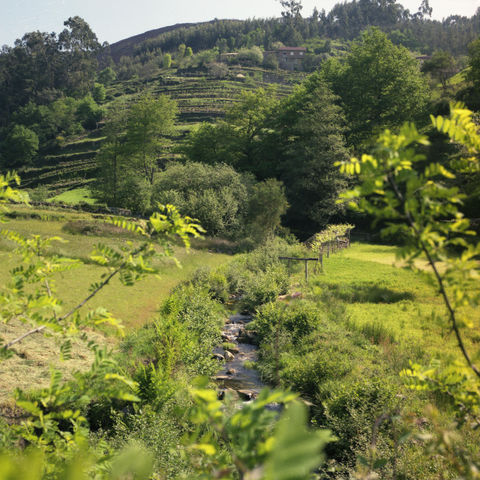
{"x":149,"y":121}
{"x":380,"y":85}
{"x":304,"y":140}
{"x":291,"y":9}
{"x":80,"y":46}
{"x":111,"y":157}
{"x":441,"y":67}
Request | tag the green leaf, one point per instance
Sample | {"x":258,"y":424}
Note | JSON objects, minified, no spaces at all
{"x":297,"y":451}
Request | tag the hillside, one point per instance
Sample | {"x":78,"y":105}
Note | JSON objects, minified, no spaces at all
{"x":127,"y":46}
{"x":200,"y":97}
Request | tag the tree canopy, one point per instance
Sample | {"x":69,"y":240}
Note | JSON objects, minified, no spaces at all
{"x":380,"y":85}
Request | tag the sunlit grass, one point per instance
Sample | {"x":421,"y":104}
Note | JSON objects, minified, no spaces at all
{"x":75,"y":196}
{"x":381,"y":295}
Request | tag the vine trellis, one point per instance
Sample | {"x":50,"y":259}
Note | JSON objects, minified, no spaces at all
{"x":328,"y":241}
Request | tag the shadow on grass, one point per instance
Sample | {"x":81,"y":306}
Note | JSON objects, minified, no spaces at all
{"x":367,"y":293}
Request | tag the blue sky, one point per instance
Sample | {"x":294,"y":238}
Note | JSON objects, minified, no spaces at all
{"x":113,"y":20}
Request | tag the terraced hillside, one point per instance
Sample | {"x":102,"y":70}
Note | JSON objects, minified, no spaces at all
{"x":201,"y":98}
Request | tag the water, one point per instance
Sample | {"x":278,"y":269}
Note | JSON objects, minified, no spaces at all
{"x":234,"y":375}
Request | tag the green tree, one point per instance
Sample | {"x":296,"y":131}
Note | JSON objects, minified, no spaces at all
{"x":266,"y":206}
{"x":167,"y":60}
{"x":189,"y":52}
{"x":111,"y":158}
{"x":149,"y":121}
{"x":303,"y":140}
{"x":107,"y":76}
{"x":380,"y":85}
{"x":216,"y":195}
{"x":291,"y":9}
{"x":79,"y":46}
{"x":473,"y":74}
{"x":441,"y":67}
{"x":181,"y":50}
{"x":99,"y":93}
{"x":89,"y":113}
{"x":250,"y":56}
{"x":19,"y":147}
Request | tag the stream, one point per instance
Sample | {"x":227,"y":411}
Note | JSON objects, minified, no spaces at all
{"x":234,"y":376}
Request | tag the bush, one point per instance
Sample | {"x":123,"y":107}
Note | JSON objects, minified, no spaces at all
{"x":188,"y":329}
{"x":215,"y":195}
{"x":300,"y":318}
{"x":214,"y":281}
{"x":264,"y":286}
{"x":135,"y":194}
{"x":250,"y":56}
{"x":89,"y":113}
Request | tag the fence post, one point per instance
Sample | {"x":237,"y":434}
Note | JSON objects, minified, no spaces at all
{"x":306,"y":270}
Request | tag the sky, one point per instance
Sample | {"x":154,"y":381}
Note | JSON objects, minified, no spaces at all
{"x":114,"y":20}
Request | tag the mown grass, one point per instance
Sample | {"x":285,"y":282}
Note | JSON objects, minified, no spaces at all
{"x":75,"y":196}
{"x":134,"y":305}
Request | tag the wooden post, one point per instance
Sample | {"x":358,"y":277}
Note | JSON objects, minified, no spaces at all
{"x":328,"y":249}
{"x":321,"y":261}
{"x":306,"y":270}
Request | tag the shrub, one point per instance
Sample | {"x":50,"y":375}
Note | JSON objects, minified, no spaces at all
{"x":214,"y":281}
{"x":264,"y":286}
{"x":135,"y":194}
{"x":215,"y":195}
{"x":250,"y":56}
{"x":188,"y":329}
{"x":88,"y":113}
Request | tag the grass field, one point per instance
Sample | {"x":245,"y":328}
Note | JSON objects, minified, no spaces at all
{"x":134,"y":305}
{"x":398,"y":308}
{"x":77,"y":195}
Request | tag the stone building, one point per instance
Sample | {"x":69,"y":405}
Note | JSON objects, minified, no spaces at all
{"x":289,"y":58}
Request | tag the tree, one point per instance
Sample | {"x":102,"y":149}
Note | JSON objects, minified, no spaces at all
{"x":266,"y":206}
{"x":99,"y":93}
{"x":189,"y":52}
{"x":291,"y":9}
{"x":167,"y":60}
{"x":19,"y":147}
{"x":397,"y":185}
{"x":215,"y":195}
{"x":441,"y":67}
{"x":181,"y":50}
{"x":380,"y":86}
{"x":304,"y":138}
{"x":111,"y":158}
{"x":149,"y":121}
{"x":107,"y":76}
{"x":89,"y":113}
{"x":79,"y":46}
{"x":473,"y":74}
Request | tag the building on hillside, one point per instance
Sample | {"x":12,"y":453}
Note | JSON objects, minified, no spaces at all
{"x":225,"y":57}
{"x":289,"y":58}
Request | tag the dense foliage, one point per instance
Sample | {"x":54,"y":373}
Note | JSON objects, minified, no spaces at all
{"x":345,"y":21}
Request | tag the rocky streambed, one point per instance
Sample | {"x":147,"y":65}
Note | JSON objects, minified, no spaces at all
{"x":238,"y":354}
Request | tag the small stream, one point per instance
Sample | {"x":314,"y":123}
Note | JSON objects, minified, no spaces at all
{"x":234,"y":376}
